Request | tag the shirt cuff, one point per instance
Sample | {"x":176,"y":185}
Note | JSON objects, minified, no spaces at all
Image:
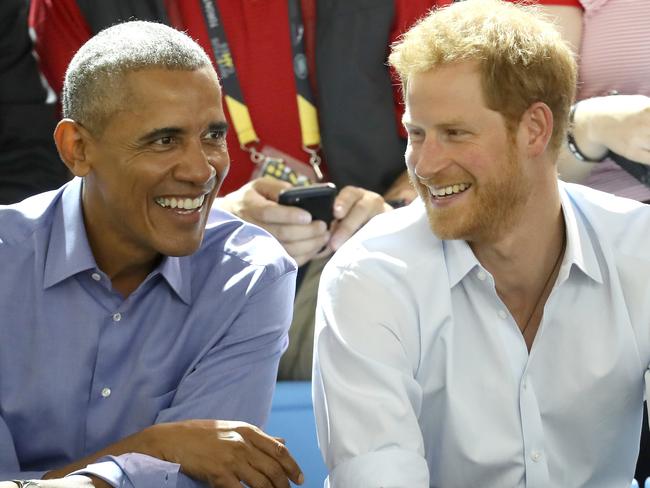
{"x":133,"y":470}
{"x":106,"y":470}
{"x":388,"y":468}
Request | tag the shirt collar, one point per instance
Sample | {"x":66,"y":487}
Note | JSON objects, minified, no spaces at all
{"x":580,"y":245}
{"x":460,"y":260}
{"x":579,"y":249}
{"x":69,"y":252}
{"x":176,"y":272}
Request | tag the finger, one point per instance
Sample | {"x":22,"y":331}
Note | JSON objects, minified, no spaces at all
{"x":270,"y":468}
{"x":287,"y":233}
{"x":270,"y":187}
{"x":304,"y":251}
{"x":345,"y":200}
{"x":225,"y":480}
{"x":255,"y":478}
{"x":325,"y":252}
{"x":280,"y":453}
{"x":357,"y":216}
{"x":275,"y":213}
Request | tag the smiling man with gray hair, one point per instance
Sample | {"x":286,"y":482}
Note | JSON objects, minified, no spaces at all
{"x":140,"y":345}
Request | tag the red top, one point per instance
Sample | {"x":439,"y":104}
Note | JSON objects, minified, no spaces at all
{"x":258,"y":35}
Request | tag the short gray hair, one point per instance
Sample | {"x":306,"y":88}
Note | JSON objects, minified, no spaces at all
{"x":91,"y":91}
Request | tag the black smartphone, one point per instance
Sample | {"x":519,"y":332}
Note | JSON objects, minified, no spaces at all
{"x":317,"y":199}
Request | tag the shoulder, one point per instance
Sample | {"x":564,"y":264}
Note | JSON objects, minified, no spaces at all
{"x":250,"y":245}
{"x":393,"y":242}
{"x":622,"y":223}
{"x":19,"y":221}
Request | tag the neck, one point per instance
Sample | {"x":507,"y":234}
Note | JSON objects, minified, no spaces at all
{"x":127,"y":268}
{"x":525,"y":265}
{"x":520,"y":258}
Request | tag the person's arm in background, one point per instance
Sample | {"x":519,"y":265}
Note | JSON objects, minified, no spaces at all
{"x":617,"y":123}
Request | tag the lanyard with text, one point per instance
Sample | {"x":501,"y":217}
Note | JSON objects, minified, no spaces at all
{"x":234,"y":97}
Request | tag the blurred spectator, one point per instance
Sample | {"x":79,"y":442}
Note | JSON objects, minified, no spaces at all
{"x":29,"y":162}
{"x":613,"y":46}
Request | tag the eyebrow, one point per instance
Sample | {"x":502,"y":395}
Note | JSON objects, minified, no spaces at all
{"x":161,"y":132}
{"x":220,"y":126}
{"x":441,"y":125}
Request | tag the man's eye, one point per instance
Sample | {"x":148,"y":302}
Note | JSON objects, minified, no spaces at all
{"x":455,"y":132}
{"x":164,"y":141}
{"x":217,"y":135}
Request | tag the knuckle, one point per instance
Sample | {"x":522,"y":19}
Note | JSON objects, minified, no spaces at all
{"x":276,"y":472}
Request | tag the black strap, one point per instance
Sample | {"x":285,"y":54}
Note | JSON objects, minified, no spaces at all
{"x":234,"y":97}
{"x":640,"y":171}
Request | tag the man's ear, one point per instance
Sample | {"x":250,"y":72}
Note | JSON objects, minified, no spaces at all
{"x":72,"y":143}
{"x":537,"y":123}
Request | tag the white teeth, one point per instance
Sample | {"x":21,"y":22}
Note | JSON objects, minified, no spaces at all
{"x":182,"y":203}
{"x":449,"y":190}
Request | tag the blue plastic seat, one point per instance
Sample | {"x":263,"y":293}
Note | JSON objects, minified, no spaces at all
{"x":292,"y":417}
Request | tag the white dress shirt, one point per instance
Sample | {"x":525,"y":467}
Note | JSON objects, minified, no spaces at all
{"x":422,"y":376}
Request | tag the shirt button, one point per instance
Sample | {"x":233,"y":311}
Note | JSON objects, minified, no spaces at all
{"x":535,"y":456}
{"x":117,"y":317}
{"x":480,"y":274}
{"x":96,"y":276}
{"x":502,"y":314}
{"x":106,"y":392}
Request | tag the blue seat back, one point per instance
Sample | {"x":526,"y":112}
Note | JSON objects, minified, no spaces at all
{"x":292,"y":417}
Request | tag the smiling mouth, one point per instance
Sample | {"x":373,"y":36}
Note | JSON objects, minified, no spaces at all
{"x":449,"y":190}
{"x":184,"y":204}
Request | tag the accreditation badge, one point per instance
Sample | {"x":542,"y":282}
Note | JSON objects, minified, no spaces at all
{"x":282,"y":166}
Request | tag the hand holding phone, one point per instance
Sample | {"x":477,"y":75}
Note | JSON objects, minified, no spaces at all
{"x":317,"y":199}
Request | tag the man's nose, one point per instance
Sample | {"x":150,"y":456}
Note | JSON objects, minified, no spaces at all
{"x":195,"y":166}
{"x":432,"y":158}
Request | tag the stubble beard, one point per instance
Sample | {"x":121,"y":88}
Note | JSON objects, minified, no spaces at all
{"x":493,"y":210}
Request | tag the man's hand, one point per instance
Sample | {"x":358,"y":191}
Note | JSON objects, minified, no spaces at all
{"x":256,"y":202}
{"x":620,"y":123}
{"x":223,"y":453}
{"x":353,"y":207}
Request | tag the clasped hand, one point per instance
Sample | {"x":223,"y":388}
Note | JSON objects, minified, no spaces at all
{"x":224,"y":453}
